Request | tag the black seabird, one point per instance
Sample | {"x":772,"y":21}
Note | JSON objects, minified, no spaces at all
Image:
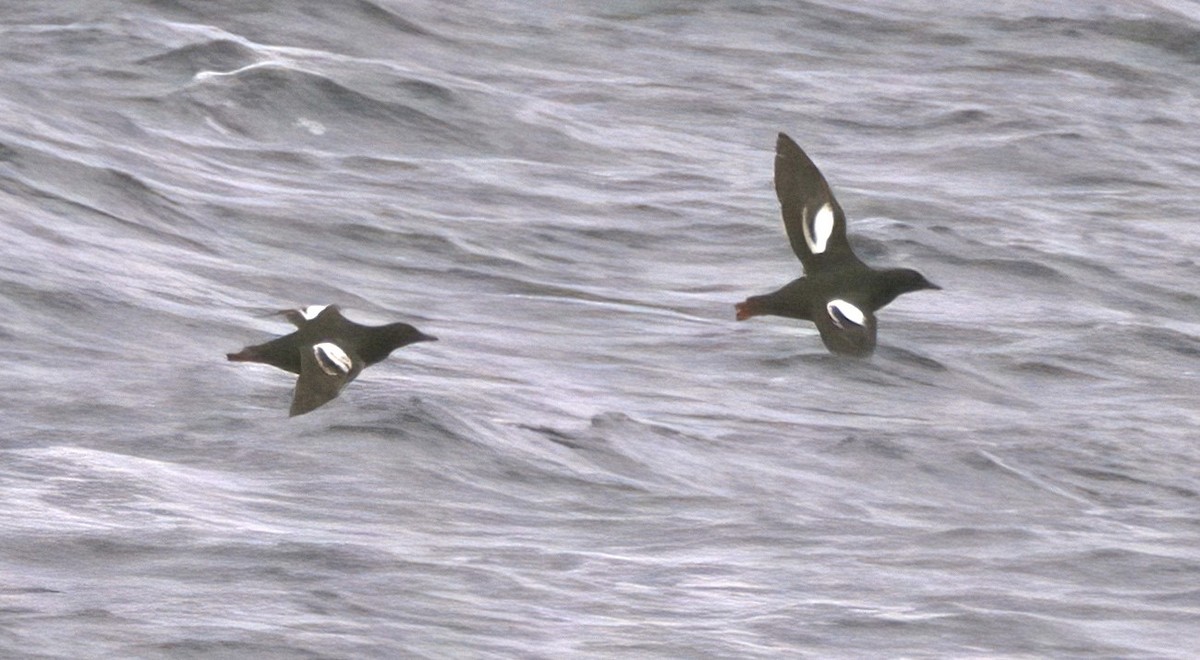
{"x":328,"y":351}
{"x":839,"y":293}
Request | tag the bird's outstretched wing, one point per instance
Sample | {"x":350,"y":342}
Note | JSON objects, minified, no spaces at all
{"x":815,"y":223}
{"x":325,"y":368}
{"x":846,"y":328}
{"x":301,"y":317}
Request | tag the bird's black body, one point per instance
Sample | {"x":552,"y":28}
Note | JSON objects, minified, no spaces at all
{"x":839,"y":293}
{"x":327,"y":351}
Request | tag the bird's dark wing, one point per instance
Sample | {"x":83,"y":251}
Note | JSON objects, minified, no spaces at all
{"x":296,"y":317}
{"x":325,"y":368}
{"x":815,"y":223}
{"x":330,"y":315}
{"x":301,"y":317}
{"x":846,"y":328}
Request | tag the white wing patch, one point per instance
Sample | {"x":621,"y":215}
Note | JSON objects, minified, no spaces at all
{"x":839,"y":310}
{"x":818,"y":229}
{"x":312,"y":311}
{"x":332,"y":359}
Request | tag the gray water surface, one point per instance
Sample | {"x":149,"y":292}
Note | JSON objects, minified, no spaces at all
{"x":596,"y":460}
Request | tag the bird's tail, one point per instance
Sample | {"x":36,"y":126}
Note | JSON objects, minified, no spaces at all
{"x":747,"y":308}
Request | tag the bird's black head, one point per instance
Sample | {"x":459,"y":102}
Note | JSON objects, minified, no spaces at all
{"x":403,"y":334}
{"x":892,"y":282}
{"x":378,"y":342}
{"x":907,"y":280}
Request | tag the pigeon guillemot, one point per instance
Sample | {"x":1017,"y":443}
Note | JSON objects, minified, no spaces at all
{"x":328,"y":351}
{"x":840,"y":294}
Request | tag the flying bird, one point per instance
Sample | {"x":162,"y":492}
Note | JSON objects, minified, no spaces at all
{"x":327,"y":351}
{"x":839,"y":293}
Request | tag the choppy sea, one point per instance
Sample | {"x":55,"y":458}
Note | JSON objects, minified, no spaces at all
{"x":596,"y":460}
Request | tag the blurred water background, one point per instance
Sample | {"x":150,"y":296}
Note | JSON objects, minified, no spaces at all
{"x":596,"y":460}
